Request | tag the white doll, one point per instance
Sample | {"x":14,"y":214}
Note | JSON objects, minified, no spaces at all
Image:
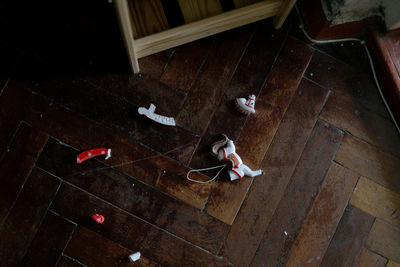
{"x":225,"y":151}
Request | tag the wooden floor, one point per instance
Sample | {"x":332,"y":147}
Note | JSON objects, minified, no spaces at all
{"x":329,"y":195}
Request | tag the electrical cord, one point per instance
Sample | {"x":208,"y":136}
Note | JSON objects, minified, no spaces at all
{"x":362,"y":42}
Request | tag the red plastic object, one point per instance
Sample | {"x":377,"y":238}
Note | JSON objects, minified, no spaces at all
{"x":93,"y":153}
{"x":98,"y":218}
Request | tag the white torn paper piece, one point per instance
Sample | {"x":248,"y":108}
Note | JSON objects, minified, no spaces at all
{"x":149,"y":113}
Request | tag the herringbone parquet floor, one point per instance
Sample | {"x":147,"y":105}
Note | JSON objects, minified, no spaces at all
{"x":329,"y":195}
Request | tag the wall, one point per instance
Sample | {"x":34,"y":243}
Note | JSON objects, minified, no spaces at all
{"x":342,"y":11}
{"x":392,"y":13}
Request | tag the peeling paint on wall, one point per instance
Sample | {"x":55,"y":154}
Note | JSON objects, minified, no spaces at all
{"x":392,"y":13}
{"x":342,"y":11}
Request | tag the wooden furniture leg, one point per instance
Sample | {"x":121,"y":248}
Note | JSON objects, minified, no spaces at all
{"x":127,"y":32}
{"x":283,"y":12}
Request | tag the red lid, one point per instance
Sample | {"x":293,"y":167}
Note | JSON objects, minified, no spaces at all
{"x":98,"y":218}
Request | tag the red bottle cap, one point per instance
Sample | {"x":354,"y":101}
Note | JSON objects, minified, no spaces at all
{"x":98,"y":218}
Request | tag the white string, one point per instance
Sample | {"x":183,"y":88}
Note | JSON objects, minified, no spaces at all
{"x":129,"y":162}
{"x":362,"y":42}
{"x":205,"y":169}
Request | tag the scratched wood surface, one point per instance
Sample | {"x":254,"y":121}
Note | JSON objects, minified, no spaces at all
{"x":349,"y":238}
{"x":50,"y":241}
{"x":12,"y":108}
{"x":66,"y":261}
{"x":368,"y":258}
{"x":384,"y":239}
{"x":377,"y":200}
{"x":213,"y":79}
{"x":369,"y":161}
{"x":351,"y":81}
{"x":248,"y":79}
{"x":258,"y":130}
{"x":135,"y":197}
{"x":392,"y":264}
{"x":299,"y":195}
{"x":21,"y":225}
{"x":359,"y":121}
{"x":278,"y":164}
{"x":108,"y":253}
{"x":329,"y":195}
{"x":324,"y":216}
{"x":185,"y":64}
{"x":16,"y":167}
{"x":154,"y":65}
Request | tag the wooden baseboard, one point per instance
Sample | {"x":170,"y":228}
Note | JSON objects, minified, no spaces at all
{"x":383,"y":51}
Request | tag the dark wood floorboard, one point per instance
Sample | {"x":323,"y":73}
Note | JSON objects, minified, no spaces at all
{"x":321,"y":134}
{"x":337,"y":76}
{"x":99,"y":105}
{"x":50,"y":241}
{"x":155,"y":65}
{"x":185,"y":64}
{"x":108,"y":253}
{"x":213,"y":79}
{"x":299,"y":195}
{"x":258,"y":130}
{"x":349,"y":238}
{"x":278,"y":165}
{"x":383,"y":239}
{"x":85,"y":243}
{"x":134,"y":197}
{"x":351,"y":53}
{"x":248,"y":79}
{"x":141,"y":90}
{"x":128,"y":230}
{"x":368,"y":258}
{"x":370,"y":162}
{"x":359,"y":121}
{"x":66,"y":261}
{"x":132,"y":158}
{"x":17,"y":164}
{"x":13,"y":104}
{"x":377,"y":200}
{"x":324,"y":216}
{"x":22,"y":223}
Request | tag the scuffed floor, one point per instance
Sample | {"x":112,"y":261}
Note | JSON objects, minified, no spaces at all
{"x":330,"y":190}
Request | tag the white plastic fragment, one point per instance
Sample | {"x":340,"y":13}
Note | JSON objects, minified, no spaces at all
{"x":134,"y":257}
{"x":108,"y":153}
{"x":225,"y":151}
{"x":246,"y":106}
{"x":149,"y":113}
